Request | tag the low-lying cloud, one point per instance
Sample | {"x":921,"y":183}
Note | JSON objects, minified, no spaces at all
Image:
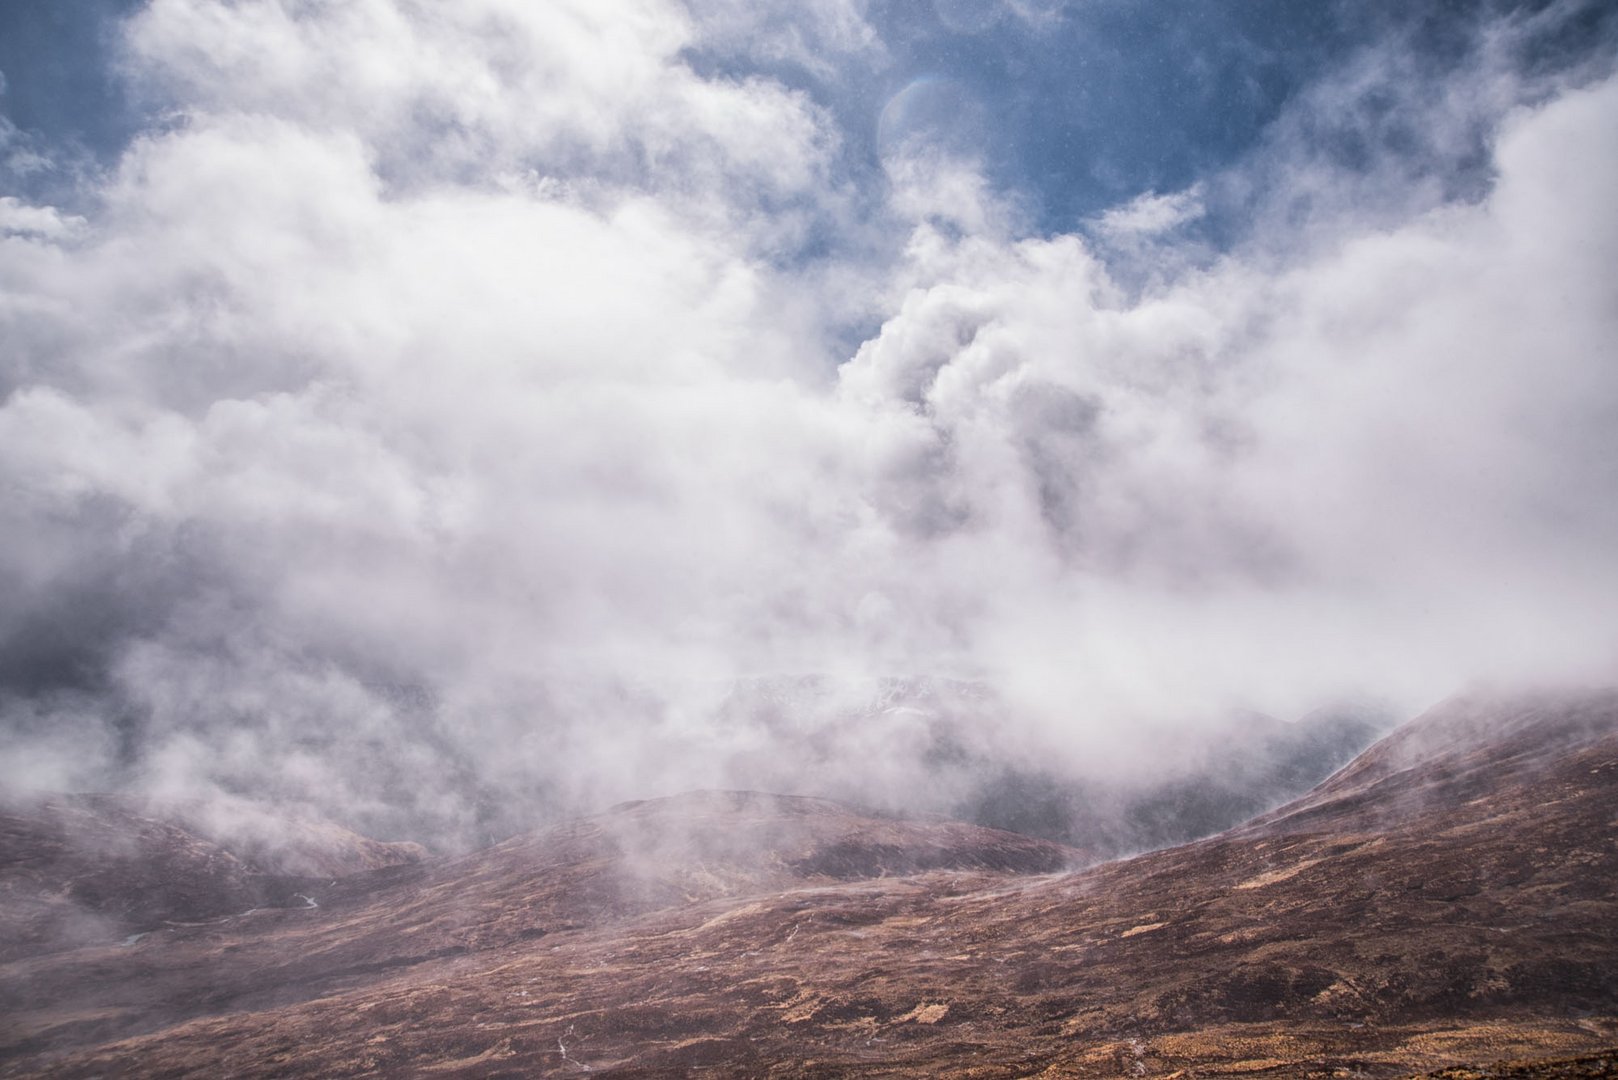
{"x":448,"y":405}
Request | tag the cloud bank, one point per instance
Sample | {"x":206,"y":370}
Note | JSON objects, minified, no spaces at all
{"x":446,"y":405}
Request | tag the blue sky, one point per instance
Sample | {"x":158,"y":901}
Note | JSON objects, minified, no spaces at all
{"x":60,"y":86}
{"x":1093,"y":104}
{"x":1074,"y":106}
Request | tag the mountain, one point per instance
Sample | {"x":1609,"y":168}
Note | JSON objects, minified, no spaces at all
{"x":587,"y":877}
{"x":95,"y":868}
{"x":1446,"y":900}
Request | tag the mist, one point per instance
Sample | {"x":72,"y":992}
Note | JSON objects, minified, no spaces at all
{"x":449,"y":418}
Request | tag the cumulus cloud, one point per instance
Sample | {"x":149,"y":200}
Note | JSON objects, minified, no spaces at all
{"x":442,"y":409}
{"x":1323,"y":459}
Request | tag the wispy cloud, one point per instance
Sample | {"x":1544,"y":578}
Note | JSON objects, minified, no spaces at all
{"x":1151,"y":215}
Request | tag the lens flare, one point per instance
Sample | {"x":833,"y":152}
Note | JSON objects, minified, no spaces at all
{"x":932,"y":115}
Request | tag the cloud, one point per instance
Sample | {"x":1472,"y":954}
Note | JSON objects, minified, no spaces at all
{"x":443,"y":409}
{"x":17,"y":216}
{"x":1303,"y":467}
{"x":593,"y":90}
{"x":821,"y":37}
{"x":1150,"y":215}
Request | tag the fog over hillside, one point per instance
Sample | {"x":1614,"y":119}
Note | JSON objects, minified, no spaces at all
{"x":446,"y":417}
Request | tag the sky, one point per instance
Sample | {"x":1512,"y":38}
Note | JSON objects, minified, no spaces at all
{"x":434,"y":406}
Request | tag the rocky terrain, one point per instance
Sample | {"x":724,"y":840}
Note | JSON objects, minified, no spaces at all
{"x":1446,"y":902}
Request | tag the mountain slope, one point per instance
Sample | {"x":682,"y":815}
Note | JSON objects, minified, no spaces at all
{"x":587,"y":876}
{"x":77,"y":870}
{"x":1448,"y":898}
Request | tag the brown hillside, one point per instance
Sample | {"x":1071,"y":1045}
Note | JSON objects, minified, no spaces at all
{"x":1447,"y":900}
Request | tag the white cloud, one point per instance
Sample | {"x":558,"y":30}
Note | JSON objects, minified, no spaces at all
{"x":820,"y":36}
{"x":1385,"y":456}
{"x":429,"y":403}
{"x":1151,"y":215}
{"x":18,"y":217}
{"x":457,"y":93}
